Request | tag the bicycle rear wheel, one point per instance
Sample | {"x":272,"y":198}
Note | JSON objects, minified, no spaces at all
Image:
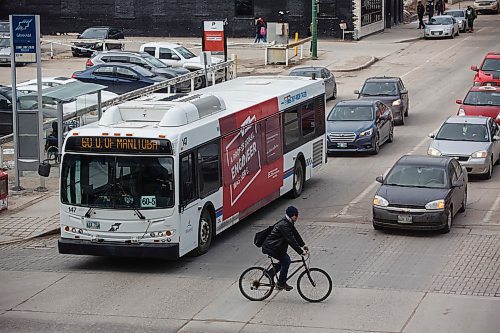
{"x":255,"y":284}
{"x":315,"y":286}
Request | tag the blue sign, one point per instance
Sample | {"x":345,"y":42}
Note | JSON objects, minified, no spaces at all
{"x":24,"y":37}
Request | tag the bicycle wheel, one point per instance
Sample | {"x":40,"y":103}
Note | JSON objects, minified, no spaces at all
{"x":315,"y":286}
{"x":255,"y":284}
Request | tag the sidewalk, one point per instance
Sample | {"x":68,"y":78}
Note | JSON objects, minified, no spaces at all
{"x":32,"y":214}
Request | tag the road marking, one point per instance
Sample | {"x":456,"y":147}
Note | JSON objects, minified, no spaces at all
{"x":418,"y":146}
{"x":494,"y":208}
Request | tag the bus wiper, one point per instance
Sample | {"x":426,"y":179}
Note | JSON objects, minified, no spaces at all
{"x":87,"y":214}
{"x":142,"y":217}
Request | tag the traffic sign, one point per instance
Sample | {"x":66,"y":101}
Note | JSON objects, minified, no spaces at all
{"x":24,"y":37}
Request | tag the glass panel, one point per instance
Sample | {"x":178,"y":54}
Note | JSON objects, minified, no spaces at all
{"x":150,"y":50}
{"x":208,"y":167}
{"x":463,"y":132}
{"x":104,"y":71}
{"x":351,"y":113}
{"x":380,"y":88}
{"x":187,"y":179}
{"x":416,"y":176}
{"x":371,"y":11}
{"x":482,"y":98}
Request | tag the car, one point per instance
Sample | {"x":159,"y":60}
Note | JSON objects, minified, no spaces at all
{"x":481,"y":101}
{"x":486,"y":6}
{"x":441,"y":26}
{"x":95,"y":37}
{"x":389,"y":90}
{"x":319,"y":72}
{"x":177,"y":55}
{"x":359,"y":126}
{"x":119,"y":77}
{"x":488,"y":73}
{"x":459,"y":15}
{"x":420,"y":193}
{"x":4,"y":29}
{"x":473,"y":141}
{"x":142,"y":59}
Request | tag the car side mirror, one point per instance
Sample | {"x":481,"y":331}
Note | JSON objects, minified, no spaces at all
{"x":380,"y":179}
{"x":175,"y":57}
{"x":404,"y":91}
{"x":458,"y":183}
{"x":458,"y":101}
{"x":474,"y":68}
{"x":431,"y":135}
{"x":356,"y":92}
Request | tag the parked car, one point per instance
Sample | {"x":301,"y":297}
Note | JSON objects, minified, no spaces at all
{"x":177,"y":55}
{"x":459,"y":15}
{"x":4,"y":29}
{"x":389,"y":90}
{"x":421,"y":193}
{"x":142,"y":59}
{"x":473,"y":141}
{"x":481,"y":101}
{"x":359,"y":126}
{"x":488,"y":72}
{"x":320,"y":73}
{"x":441,"y":26}
{"x":5,"y":52}
{"x":119,"y":77}
{"x":486,"y":6}
{"x":96,"y":37}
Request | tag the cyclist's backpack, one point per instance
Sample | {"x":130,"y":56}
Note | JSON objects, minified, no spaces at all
{"x":261,"y":236}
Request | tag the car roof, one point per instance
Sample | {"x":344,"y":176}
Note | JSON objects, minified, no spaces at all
{"x":485,"y":88}
{"x":492,"y":55}
{"x":467,"y":120}
{"x":138,"y":53}
{"x":308,"y":68}
{"x":122,"y":64}
{"x":442,"y":16}
{"x":424,"y":160}
{"x":383,"y":78}
{"x":357,"y":102}
{"x":160,"y":44}
{"x":454,"y":10}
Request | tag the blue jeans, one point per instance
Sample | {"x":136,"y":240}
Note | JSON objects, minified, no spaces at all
{"x":282,"y":266}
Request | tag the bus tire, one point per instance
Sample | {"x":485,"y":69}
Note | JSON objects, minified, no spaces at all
{"x":298,"y":179}
{"x":205,"y":233}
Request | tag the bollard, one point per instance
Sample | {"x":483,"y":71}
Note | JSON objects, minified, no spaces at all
{"x":296,"y":40}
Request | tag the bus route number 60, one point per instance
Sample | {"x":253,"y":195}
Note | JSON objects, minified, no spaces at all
{"x":148,"y":201}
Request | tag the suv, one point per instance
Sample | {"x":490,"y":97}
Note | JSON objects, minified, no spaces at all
{"x":96,"y":37}
{"x":142,"y":59}
{"x":481,"y":101}
{"x":488,"y":72}
{"x":389,"y":90}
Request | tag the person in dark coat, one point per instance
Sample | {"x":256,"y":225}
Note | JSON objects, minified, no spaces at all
{"x":421,"y":13}
{"x":439,"y":7}
{"x":276,"y":245}
{"x":471,"y":15}
{"x":430,"y":9}
{"x":259,"y":24}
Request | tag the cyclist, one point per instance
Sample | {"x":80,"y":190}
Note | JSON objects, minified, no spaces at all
{"x":276,"y":245}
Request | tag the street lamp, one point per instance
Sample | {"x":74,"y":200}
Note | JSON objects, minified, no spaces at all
{"x":314,"y":30}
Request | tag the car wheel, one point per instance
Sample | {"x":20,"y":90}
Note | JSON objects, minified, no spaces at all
{"x":376,"y":227}
{"x":458,"y":32}
{"x":498,"y":161}
{"x":464,"y":202}
{"x":489,"y":173}
{"x":449,"y":221}
{"x":376,"y":145}
{"x":452,"y":34}
{"x":401,"y":122}
{"x":391,"y":134}
{"x":335,"y":92}
{"x":407,"y":109}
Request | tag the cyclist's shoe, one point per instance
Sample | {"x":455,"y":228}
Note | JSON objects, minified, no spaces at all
{"x":285,"y":287}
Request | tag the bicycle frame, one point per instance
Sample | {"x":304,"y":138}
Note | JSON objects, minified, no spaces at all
{"x":304,"y":265}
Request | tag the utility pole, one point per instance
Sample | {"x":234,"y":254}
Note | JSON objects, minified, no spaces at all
{"x":314,"y":31}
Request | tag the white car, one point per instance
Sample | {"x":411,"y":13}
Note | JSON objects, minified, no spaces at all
{"x":487,"y":6}
{"x":177,"y":55}
{"x":441,"y":26}
{"x":459,"y":15}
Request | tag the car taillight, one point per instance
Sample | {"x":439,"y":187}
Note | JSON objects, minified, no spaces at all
{"x":89,"y":63}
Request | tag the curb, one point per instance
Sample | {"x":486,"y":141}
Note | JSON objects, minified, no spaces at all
{"x":45,"y":233}
{"x":410,"y":39}
{"x":357,"y":68}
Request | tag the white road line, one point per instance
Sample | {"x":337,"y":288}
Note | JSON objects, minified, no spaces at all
{"x":493,"y":208}
{"x":418,"y":146}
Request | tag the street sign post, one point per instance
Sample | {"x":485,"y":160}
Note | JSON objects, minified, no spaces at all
{"x":24,"y":36}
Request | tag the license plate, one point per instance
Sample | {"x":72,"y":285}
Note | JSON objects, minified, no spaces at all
{"x":342,"y":145}
{"x":405,"y":219}
{"x":93,"y":225}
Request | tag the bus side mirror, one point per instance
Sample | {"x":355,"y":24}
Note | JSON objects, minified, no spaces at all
{"x":44,"y":169}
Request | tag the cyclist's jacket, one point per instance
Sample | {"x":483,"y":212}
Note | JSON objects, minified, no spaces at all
{"x":282,"y":235}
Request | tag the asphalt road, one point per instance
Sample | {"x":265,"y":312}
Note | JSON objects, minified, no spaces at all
{"x":383,"y":281}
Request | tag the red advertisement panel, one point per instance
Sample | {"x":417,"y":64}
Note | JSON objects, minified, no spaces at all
{"x":252,"y":157}
{"x":213,"y":36}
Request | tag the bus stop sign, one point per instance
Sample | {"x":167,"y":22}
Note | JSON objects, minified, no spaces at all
{"x":24,"y":37}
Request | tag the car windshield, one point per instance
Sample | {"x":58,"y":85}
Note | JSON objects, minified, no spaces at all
{"x":306,"y":73}
{"x":185,"y":53}
{"x":95,"y":33}
{"x":351,"y":113}
{"x":143,"y":71}
{"x":4,"y":42}
{"x":491,"y":65}
{"x":417,"y":176}
{"x":125,"y":182}
{"x":482,"y":98}
{"x":440,"y":21}
{"x":155,"y":62}
{"x":380,"y":88}
{"x":463,"y":132}
{"x":456,"y":13}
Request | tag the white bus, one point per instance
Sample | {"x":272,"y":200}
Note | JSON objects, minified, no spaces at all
{"x":161,"y":176}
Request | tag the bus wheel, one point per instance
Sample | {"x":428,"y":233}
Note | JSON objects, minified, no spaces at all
{"x":298,"y":179}
{"x":204,"y":233}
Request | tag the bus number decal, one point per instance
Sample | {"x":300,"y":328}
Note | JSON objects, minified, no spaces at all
{"x":148,"y":201}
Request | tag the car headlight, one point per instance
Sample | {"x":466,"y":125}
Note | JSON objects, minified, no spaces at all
{"x":433,"y":152}
{"x":480,"y":154}
{"x":436,"y":204}
{"x":379,"y":201}
{"x":461,"y":112}
{"x":396,"y":102}
{"x":427,"y":30}
{"x":366,"y":133}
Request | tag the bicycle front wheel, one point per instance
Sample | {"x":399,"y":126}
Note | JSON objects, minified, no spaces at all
{"x":314,"y":285}
{"x":255,"y":284}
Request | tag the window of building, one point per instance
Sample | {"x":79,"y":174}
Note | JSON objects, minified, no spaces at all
{"x":209,"y":168}
{"x":243,"y":8}
{"x":371,"y":11}
{"x":124,"y":9}
{"x":326,"y":8}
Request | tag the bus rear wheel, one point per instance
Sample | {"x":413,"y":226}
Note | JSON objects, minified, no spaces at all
{"x":298,"y":179}
{"x":205,"y":232}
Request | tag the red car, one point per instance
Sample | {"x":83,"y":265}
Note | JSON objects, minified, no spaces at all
{"x":481,"y":101}
{"x":489,"y":71}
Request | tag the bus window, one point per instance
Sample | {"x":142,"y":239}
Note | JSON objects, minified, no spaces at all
{"x":291,"y":129}
{"x":208,"y":168}
{"x":308,"y":121}
{"x":187,"y":179}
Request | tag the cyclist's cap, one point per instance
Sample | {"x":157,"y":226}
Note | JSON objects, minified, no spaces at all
{"x":292,"y":211}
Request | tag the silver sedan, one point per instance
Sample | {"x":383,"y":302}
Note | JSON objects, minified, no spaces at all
{"x":460,"y":16}
{"x":441,"y":26}
{"x":474,"y":141}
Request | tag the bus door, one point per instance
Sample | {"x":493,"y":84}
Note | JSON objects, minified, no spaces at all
{"x":188,"y":204}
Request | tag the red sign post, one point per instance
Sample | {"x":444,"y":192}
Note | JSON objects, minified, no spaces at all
{"x":214,"y":37}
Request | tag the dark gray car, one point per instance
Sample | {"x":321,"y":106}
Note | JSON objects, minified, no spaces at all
{"x":320,"y":73}
{"x":389,"y":90}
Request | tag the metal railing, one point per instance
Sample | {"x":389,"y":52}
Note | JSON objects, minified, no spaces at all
{"x":285,"y":48}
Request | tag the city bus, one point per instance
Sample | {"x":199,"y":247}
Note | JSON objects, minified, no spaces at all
{"x":162,"y":175}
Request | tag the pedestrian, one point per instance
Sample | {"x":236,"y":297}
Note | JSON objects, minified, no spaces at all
{"x":439,"y":7}
{"x":471,"y":16}
{"x":263,"y":30}
{"x":276,"y":245}
{"x":430,"y":9}
{"x":260,"y":30}
{"x":421,"y":13}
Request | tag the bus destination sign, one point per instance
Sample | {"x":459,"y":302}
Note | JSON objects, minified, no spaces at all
{"x":112,"y":144}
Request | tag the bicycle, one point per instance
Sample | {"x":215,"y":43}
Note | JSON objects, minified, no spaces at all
{"x":259,"y":282}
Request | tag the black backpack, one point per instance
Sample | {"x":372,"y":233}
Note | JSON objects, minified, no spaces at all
{"x":261,"y":236}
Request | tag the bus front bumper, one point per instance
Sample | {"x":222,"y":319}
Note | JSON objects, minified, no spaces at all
{"x":82,"y":247}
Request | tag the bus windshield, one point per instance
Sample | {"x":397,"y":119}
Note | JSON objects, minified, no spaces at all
{"x":117,"y":182}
